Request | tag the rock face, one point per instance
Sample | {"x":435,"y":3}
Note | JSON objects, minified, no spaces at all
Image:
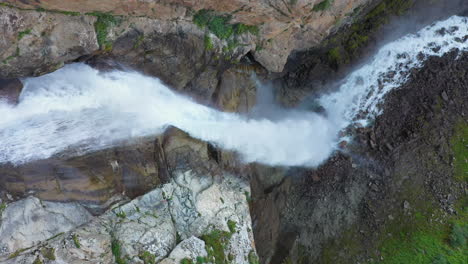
{"x":193,"y":216}
{"x":284,"y":26}
{"x":26,"y":222}
{"x":34,"y":43}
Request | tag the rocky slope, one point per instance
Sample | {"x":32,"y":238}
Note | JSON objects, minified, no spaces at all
{"x":199,"y":215}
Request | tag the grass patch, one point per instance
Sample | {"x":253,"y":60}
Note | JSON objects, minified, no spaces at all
{"x":459,"y":142}
{"x":76,"y":241}
{"x":186,"y":261}
{"x":116,"y":249}
{"x":252,"y":258}
{"x":21,"y":34}
{"x":103,"y":23}
{"x":48,"y":253}
{"x":147,"y":257}
{"x":232,"y":225}
{"x":208,"y":43}
{"x":324,"y":5}
{"x":220,"y":25}
{"x":37,"y":260}
{"x":18,"y":252}
{"x":420,"y":238}
{"x":216,"y":243}
{"x":334,"y":55}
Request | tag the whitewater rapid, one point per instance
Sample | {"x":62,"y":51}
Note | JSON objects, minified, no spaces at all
{"x":78,"y":109}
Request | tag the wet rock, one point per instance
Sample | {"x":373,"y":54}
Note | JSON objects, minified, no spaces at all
{"x":10,"y":90}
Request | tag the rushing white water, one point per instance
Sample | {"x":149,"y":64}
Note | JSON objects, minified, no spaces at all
{"x":79,"y":108}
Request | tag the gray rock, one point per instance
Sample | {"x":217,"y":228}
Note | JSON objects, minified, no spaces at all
{"x":26,"y":222}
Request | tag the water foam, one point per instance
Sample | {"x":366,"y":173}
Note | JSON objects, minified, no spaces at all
{"x":78,"y":108}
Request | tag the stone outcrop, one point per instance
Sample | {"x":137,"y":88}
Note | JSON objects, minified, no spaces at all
{"x":283,"y":26}
{"x":34,"y":43}
{"x":193,"y":216}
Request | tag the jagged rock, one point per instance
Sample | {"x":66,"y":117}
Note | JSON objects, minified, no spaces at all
{"x":191,"y":205}
{"x":10,"y":90}
{"x":190,"y":248}
{"x":26,"y":222}
{"x":284,"y":26}
{"x":34,"y":43}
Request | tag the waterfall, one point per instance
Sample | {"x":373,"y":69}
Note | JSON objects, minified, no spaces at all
{"x":81,"y":109}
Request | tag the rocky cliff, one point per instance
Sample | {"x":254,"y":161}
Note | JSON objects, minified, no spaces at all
{"x":174,"y":199}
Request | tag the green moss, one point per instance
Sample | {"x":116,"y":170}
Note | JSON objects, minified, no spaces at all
{"x":334,"y":55}
{"x":37,"y":260}
{"x":3,"y":206}
{"x":232,"y":225}
{"x":17,"y":252}
{"x":68,"y":13}
{"x":459,"y":143}
{"x":252,"y":257}
{"x":21,"y":34}
{"x":324,"y":5}
{"x":219,"y":24}
{"x":103,"y":23}
{"x":138,"y":42}
{"x":76,"y":241}
{"x":201,"y":260}
{"x":186,"y":261}
{"x":215,"y":245}
{"x":48,"y":253}
{"x":17,"y":53}
{"x":208,"y":43}
{"x":147,"y":257}
{"x":117,"y":251}
{"x":121,"y":214}
{"x":458,"y":235}
{"x":57,"y":235}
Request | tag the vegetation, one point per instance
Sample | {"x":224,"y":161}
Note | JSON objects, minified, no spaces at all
{"x":232,"y":225}
{"x":117,"y":251}
{"x":37,"y":260}
{"x":48,"y":253}
{"x":68,"y":13}
{"x":459,"y":235}
{"x":324,"y":5}
{"x":186,"y":261}
{"x":137,"y":44}
{"x":216,"y":243}
{"x":253,"y":259}
{"x":76,"y":241}
{"x":21,"y":34}
{"x":459,"y":144}
{"x":147,"y":257}
{"x":18,"y":252}
{"x":220,"y":25}
{"x":103,"y":23}
{"x":121,"y":214}
{"x":3,"y":206}
{"x":17,"y":53}
{"x":208,"y":43}
{"x":334,"y":55}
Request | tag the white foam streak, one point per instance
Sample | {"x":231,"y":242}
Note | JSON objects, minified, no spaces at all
{"x":79,"y":109}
